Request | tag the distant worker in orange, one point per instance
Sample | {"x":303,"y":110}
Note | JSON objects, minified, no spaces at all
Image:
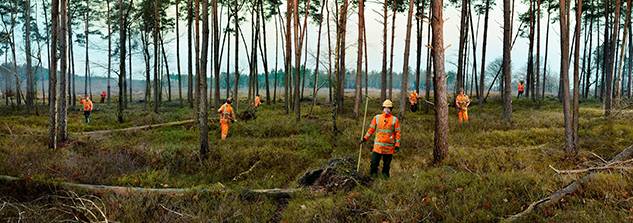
{"x":413,"y":101}
{"x":258,"y":101}
{"x":387,"y":140}
{"x":521,"y":88}
{"x":226,"y":117}
{"x":87,"y":103}
{"x":462,"y":102}
{"x":103,"y":96}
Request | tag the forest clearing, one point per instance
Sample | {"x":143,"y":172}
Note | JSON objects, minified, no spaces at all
{"x":316,"y":111}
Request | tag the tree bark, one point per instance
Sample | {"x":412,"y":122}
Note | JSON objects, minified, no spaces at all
{"x":202,"y":81}
{"x":440,"y":149}
{"x":30,"y":80}
{"x":177,"y":53}
{"x":190,"y":60}
{"x":618,"y":81}
{"x":383,"y":74}
{"x":122,"y":52}
{"x":564,"y":75}
{"x":608,"y":101}
{"x":405,"y":66}
{"x":52,"y":77}
{"x":463,"y":27}
{"x":359,"y":58}
{"x":546,"y":54}
{"x":482,"y":75}
{"x":507,"y":62}
{"x":393,"y":39}
{"x":63,"y":94}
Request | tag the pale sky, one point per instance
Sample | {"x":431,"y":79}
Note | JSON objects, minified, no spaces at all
{"x":98,"y":49}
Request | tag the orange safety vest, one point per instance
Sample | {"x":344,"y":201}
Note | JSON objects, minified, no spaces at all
{"x":103,"y":94}
{"x":87,"y":104}
{"x":521,"y":87}
{"x":462,"y":101}
{"x":413,"y":98}
{"x":387,"y":129}
{"x":226,"y":111}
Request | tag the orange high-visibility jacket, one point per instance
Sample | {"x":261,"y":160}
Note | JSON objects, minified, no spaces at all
{"x":226,"y":111}
{"x":387,"y":129}
{"x":87,"y":104}
{"x":521,"y":87}
{"x":462,"y":101}
{"x":413,"y":98}
{"x":103,"y":94}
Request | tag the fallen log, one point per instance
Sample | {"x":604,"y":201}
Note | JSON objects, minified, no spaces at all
{"x":121,"y":190}
{"x":569,"y":189}
{"x":135,"y":128}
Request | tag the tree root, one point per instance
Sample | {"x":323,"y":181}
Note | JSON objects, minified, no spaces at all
{"x":555,"y":197}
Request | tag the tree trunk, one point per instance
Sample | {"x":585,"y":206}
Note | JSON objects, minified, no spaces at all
{"x":507,"y":62}
{"x":419,"y":25}
{"x":30,"y":80}
{"x":86,"y":34}
{"x":122,"y":52}
{"x":329,"y":50}
{"x":237,"y":56}
{"x":537,"y":65}
{"x":216,"y":53}
{"x":576,"y":97}
{"x":546,"y":53}
{"x":564,"y":75}
{"x":298,"y":45}
{"x":63,"y":47}
{"x":463,"y":36}
{"x":109,"y":23}
{"x":315,"y":89}
{"x":156,"y":55}
{"x":276,"y":62}
{"x":608,"y":102}
{"x":429,"y":60}
{"x":383,"y":74}
{"x":618,"y":81}
{"x":405,"y":66}
{"x":265,"y":52}
{"x":177,"y":54}
{"x":190,"y":60}
{"x":440,"y":149}
{"x":393,"y":39}
{"x":359,"y":58}
{"x":530,"y":72}
{"x":630,"y":66}
{"x":162,"y":45}
{"x":482,"y":75}
{"x":52,"y":77}
{"x":587,"y":69}
{"x":202,"y":81}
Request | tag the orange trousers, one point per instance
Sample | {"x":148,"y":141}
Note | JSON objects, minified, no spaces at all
{"x":224,"y":127}
{"x":462,"y":116}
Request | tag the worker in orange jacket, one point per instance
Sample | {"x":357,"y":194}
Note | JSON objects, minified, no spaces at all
{"x":258,"y":101}
{"x":387,"y":140}
{"x":521,"y":89}
{"x":462,"y":102}
{"x":226,"y":117}
{"x":87,"y":103}
{"x":413,"y":101}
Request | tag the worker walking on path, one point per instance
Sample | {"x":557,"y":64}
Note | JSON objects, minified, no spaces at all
{"x":521,"y":89}
{"x":462,"y":102}
{"x":257,"y":102}
{"x":413,"y":101}
{"x":226,"y":117}
{"x":387,"y":140}
{"x":87,"y":103}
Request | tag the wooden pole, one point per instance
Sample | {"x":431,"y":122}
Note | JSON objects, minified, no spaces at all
{"x":362,"y":133}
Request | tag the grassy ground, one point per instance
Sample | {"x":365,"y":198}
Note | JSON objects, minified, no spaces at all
{"x":493,"y":169}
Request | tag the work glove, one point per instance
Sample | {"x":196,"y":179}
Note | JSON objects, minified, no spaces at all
{"x":397,"y":149}
{"x":362,"y":141}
